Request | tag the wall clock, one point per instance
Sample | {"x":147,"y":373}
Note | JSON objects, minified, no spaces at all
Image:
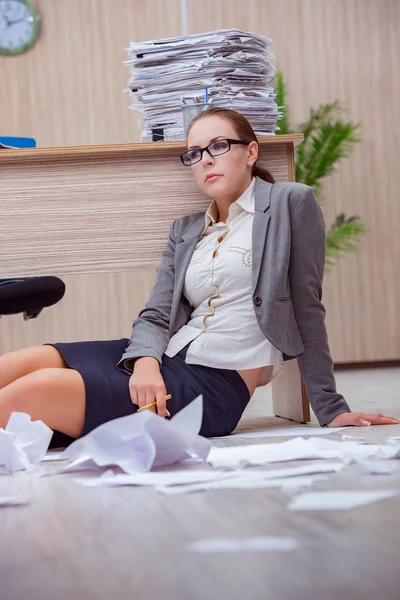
{"x":19,"y":26}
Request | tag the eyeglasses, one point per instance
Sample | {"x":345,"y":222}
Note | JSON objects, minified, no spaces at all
{"x":191,"y":157}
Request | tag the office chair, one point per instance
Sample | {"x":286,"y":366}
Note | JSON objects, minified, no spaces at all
{"x":29,"y":295}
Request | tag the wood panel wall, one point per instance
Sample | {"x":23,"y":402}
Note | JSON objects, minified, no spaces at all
{"x":69,"y":90}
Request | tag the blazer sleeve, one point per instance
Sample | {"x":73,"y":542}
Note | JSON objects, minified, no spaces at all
{"x":150,"y":331}
{"x":306,"y":271}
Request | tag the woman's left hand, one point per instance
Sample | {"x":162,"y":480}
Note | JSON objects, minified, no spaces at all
{"x":358,"y":419}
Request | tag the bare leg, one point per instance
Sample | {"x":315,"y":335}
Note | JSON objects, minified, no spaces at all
{"x":56,"y":396}
{"x":22,"y":362}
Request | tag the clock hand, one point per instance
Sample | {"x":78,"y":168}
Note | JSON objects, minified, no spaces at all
{"x":16,"y":21}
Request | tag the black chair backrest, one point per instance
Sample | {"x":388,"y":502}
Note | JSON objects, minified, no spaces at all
{"x":29,"y":295}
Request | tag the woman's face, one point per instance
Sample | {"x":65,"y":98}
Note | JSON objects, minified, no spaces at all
{"x":232,"y":171}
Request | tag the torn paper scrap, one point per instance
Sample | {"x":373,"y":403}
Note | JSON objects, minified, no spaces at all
{"x":23,"y":443}
{"x":82,"y":463}
{"x":377,"y":467}
{"x":285,"y":432}
{"x":289,"y":478}
{"x":394,"y":440}
{"x":234,"y":545}
{"x":142,"y":441}
{"x":236,"y":456}
{"x":154,"y":478}
{"x":242,"y":483}
{"x":339,"y":500}
{"x":290,"y":483}
{"x":353,"y":438}
{"x":13,"y":500}
{"x":389,"y":451}
{"x":53,"y":456}
{"x":296,"y":449}
{"x":306,"y":469}
{"x":242,"y":478}
{"x":259,"y":454}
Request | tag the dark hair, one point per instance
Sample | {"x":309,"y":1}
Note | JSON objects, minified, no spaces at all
{"x":243,"y":130}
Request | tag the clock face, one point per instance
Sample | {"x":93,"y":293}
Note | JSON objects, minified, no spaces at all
{"x":19,"y":26}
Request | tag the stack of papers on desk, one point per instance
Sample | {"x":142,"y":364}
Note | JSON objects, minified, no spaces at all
{"x":228,"y":67}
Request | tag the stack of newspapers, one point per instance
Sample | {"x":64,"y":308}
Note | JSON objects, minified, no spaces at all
{"x":228,"y":67}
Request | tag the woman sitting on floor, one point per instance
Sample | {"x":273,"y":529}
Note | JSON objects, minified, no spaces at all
{"x":238,"y":291}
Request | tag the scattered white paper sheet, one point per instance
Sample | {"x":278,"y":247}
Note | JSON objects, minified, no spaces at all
{"x":242,"y":483}
{"x":243,"y":478}
{"x":23,"y":443}
{"x":285,"y":432}
{"x":290,"y":478}
{"x":298,"y":482}
{"x":339,"y":500}
{"x":142,"y":441}
{"x":12,"y":500}
{"x":53,"y":456}
{"x":83,"y":463}
{"x":393,"y":441}
{"x":353,"y":438}
{"x":377,"y":467}
{"x":306,"y":469}
{"x":296,"y":449}
{"x":233,"y":545}
{"x":154,"y":478}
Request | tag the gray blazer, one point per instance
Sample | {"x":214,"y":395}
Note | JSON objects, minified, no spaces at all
{"x":288,"y":267}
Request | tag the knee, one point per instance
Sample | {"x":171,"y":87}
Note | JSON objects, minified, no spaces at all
{"x":42,"y":379}
{"x":36,"y":386}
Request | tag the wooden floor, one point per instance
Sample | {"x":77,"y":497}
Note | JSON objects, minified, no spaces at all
{"x":88,"y":543}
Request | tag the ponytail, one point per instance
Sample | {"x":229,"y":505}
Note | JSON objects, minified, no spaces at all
{"x":262,"y":174}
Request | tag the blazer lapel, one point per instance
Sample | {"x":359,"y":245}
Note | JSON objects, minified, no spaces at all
{"x":260,"y":225}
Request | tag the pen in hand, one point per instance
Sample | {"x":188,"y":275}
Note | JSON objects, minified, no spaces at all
{"x":167,"y":397}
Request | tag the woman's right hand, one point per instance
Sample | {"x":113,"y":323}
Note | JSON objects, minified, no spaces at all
{"x":146,"y":385}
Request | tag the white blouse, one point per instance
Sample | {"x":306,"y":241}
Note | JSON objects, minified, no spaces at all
{"x":223,"y":328}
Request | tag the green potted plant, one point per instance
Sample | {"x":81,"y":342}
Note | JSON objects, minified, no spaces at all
{"x":327,"y":140}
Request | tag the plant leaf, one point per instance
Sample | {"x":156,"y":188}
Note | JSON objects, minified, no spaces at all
{"x":280,"y":99}
{"x":328,"y":145}
{"x":343,"y":237}
{"x":327,"y":140}
{"x":325,"y":113}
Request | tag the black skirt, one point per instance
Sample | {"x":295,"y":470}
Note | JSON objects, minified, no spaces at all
{"x":225,"y":394}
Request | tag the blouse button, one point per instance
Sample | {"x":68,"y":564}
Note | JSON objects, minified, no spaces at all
{"x":257,"y":301}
